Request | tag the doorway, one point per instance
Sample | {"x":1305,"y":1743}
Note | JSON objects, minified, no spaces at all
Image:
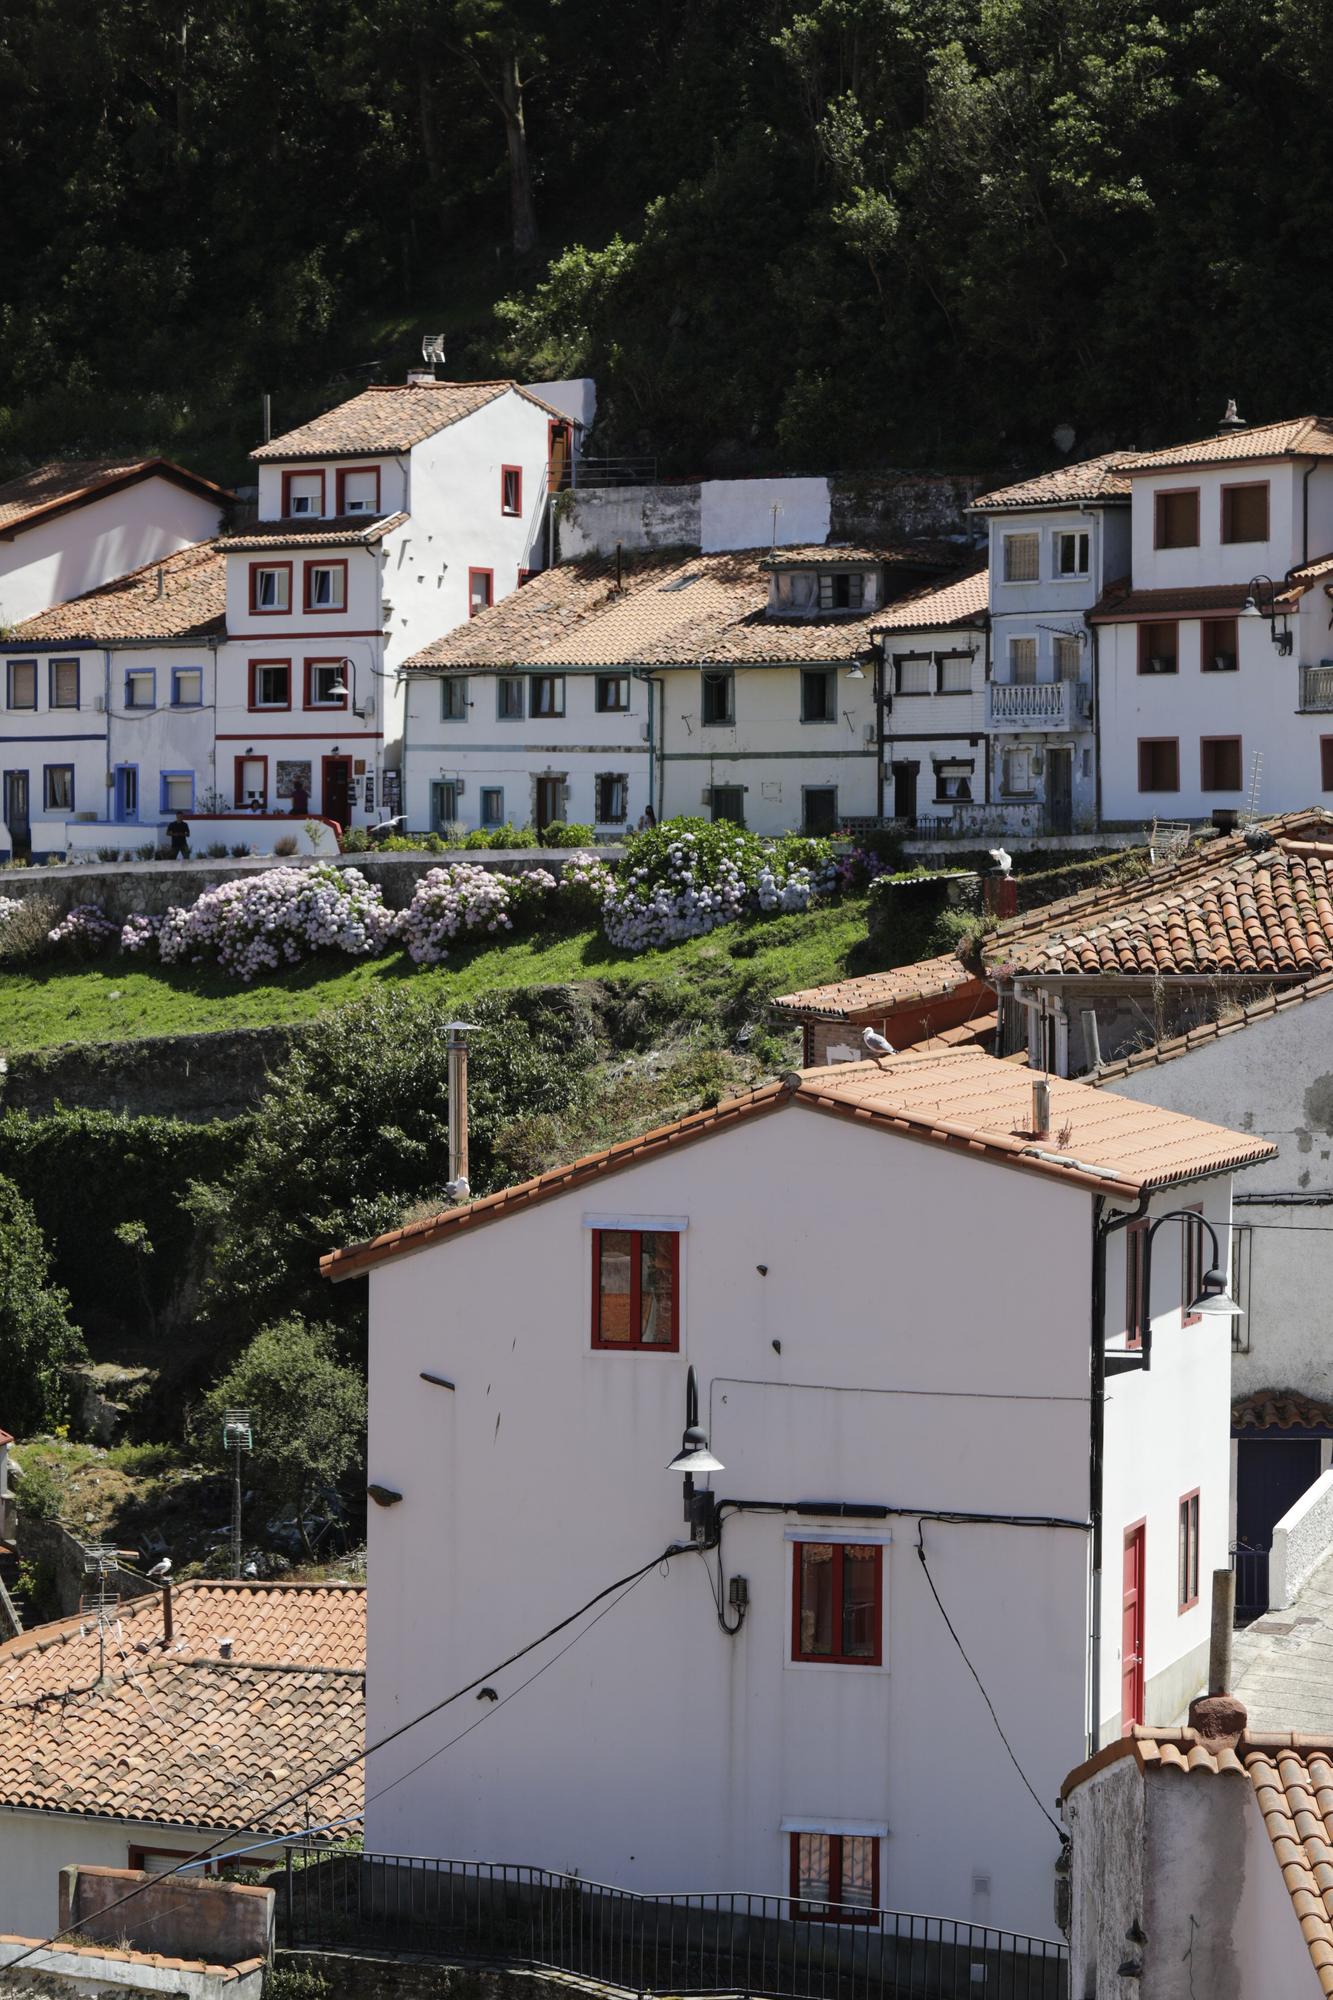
{"x":904,"y":791}
{"x":1131,"y":1631}
{"x":17,"y":817}
{"x":728,"y":803}
{"x":126,"y":792}
{"x":819,"y":810}
{"x":443,"y":804}
{"x":548,"y":802}
{"x":1059,"y":791}
{"x":336,"y":788}
{"x":1270,"y":1476}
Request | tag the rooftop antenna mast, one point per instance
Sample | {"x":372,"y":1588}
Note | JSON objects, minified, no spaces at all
{"x":1256,"y":785}
{"x":432,"y":349}
{"x":237,"y":1437}
{"x":101,"y":1599}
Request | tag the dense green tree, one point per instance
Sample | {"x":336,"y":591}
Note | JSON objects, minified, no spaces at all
{"x":37,"y":1337}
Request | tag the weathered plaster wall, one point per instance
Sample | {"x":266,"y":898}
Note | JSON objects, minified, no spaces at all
{"x":191,"y":1916}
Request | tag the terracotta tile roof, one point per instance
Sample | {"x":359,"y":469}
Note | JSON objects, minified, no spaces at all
{"x":1281,"y":1410}
{"x":64,"y":483}
{"x":961,"y":600}
{"x":390,"y":417}
{"x":901,"y":986}
{"x":1268,"y":913}
{"x":1297,"y":437}
{"x":674,"y":608}
{"x":181,"y":1736}
{"x":1208,"y":601}
{"x":1100,"y":478}
{"x":344,"y":531}
{"x":959,"y":1098}
{"x":191,"y":605}
{"x":825,"y":555}
{"x":1292,"y":1778}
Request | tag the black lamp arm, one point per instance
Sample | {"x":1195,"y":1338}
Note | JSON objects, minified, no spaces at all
{"x":1144,"y":1328}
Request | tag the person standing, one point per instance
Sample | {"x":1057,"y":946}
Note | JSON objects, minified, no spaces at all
{"x":178,"y":833}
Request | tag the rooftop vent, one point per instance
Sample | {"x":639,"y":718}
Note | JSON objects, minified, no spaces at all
{"x":421,"y":378}
{"x":1231,"y":420}
{"x":1041,"y":1108}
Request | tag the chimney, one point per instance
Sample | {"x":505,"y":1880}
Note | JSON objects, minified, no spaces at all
{"x":421,"y":378}
{"x":457,"y":1186}
{"x":168,"y":1618}
{"x":1230,"y":421}
{"x":1217,"y":1716}
{"x":1041,"y":1108}
{"x":161,"y":581}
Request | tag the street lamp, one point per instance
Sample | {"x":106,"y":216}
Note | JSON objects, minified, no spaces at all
{"x":695,"y":1457}
{"x":1213,"y":1299}
{"x":340,"y":690}
{"x":1261,"y":602}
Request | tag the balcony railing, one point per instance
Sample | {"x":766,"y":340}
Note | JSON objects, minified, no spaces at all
{"x":701,"y":1944}
{"x":1045,"y":705}
{"x":1317,"y":688}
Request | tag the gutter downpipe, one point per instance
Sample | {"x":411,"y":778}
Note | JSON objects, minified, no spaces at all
{"x":1305,"y":512}
{"x":1102,"y":1227}
{"x":652,"y":682}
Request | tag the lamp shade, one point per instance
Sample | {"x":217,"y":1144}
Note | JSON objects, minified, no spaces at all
{"x":694,"y":1455}
{"x":1214,"y":1298}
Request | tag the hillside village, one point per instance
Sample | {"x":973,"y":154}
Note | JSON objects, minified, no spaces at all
{"x":828,"y":1544}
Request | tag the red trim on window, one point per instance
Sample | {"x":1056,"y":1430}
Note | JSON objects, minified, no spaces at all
{"x":1154,"y":742}
{"x":300,"y":472}
{"x":1174,"y":493}
{"x":1191,"y":1265}
{"x":524,"y":576}
{"x":238,"y":789}
{"x":323,"y":610}
{"x":269,"y":707}
{"x":277,"y":611}
{"x":840,"y":1913}
{"x":514,"y":473}
{"x":837,"y":1659}
{"x":1243,"y":486}
{"x":1136,"y":1236}
{"x":1213,"y":744}
{"x":635,"y":1344}
{"x":473,"y":608}
{"x":1147,"y":648}
{"x":340,"y":485}
{"x":322,"y":707}
{"x":1187,"y":1551}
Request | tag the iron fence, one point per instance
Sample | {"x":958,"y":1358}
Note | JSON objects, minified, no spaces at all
{"x":696,"y":1944}
{"x":1251,"y":1567}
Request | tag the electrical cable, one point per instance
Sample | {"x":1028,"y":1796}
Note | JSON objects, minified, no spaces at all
{"x":325,"y":1777}
{"x":921,"y":1553}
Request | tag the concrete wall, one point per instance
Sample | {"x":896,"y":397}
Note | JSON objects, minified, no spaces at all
{"x":58,"y":559}
{"x":1301,"y":1540}
{"x":81,"y":1972}
{"x":827,"y":1368}
{"x":186,"y":1916}
{"x":35,"y":1846}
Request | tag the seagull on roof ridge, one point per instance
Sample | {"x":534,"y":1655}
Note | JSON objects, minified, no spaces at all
{"x":877,"y":1044}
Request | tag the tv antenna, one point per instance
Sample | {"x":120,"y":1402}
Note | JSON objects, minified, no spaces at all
{"x":237,"y":1437}
{"x":101,"y":1599}
{"x":432,"y":348}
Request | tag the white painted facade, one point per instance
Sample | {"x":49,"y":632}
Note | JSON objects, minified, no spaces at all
{"x":846,"y":1352}
{"x":936,"y":746}
{"x":91,"y":544}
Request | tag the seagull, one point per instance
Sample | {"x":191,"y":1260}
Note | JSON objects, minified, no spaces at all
{"x":877,"y":1044}
{"x":161,"y":1570}
{"x":488,"y":1694}
{"x":1004,"y":862}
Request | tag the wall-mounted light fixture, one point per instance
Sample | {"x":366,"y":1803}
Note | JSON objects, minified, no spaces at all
{"x":1214,"y":1298}
{"x":694,"y":1458}
{"x":1261,"y":602}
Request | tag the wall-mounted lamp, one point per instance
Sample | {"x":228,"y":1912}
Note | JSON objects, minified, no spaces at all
{"x":693,"y":1458}
{"x":340,"y":689}
{"x":1261,"y":602}
{"x":856,"y":672}
{"x":1214,"y":1297}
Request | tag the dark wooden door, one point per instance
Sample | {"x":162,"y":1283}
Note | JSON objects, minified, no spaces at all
{"x":1131,"y":1630}
{"x":336,"y":785}
{"x":550,"y":802}
{"x":1270,"y":1476}
{"x":729,"y":803}
{"x":904,"y":791}
{"x":1059,"y":791}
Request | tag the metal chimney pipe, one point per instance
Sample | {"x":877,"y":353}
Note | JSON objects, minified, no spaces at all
{"x":458,"y":1165}
{"x":268,"y":419}
{"x":168,"y":1619}
{"x":1041,"y":1108}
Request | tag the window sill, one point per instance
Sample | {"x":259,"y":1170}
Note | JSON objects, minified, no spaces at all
{"x":835,"y":1666}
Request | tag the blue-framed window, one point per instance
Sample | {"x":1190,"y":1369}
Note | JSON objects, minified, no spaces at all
{"x":125,"y":793}
{"x":177,"y":792}
{"x":187,"y":687}
{"x":21,"y":689}
{"x":492,"y":805}
{"x":141,"y":687}
{"x":58,"y":788}
{"x":62,"y":689}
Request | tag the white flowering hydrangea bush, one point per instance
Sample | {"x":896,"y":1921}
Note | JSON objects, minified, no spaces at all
{"x":585,"y":885}
{"x":685,"y":877}
{"x":462,"y":901}
{"x":265,"y":922}
{"x":85,"y":931}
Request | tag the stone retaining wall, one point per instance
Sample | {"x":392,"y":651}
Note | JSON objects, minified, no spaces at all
{"x":195,"y":1077}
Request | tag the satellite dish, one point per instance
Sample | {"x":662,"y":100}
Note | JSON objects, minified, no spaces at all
{"x":432,"y":347}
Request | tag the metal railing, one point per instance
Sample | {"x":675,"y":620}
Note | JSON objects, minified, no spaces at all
{"x":588,"y":471}
{"x":1317,"y":687}
{"x":1035,"y":704}
{"x":699,"y":1944}
{"x":1251,"y":1567}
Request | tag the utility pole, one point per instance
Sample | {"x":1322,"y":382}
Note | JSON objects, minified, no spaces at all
{"x":237,"y":1437}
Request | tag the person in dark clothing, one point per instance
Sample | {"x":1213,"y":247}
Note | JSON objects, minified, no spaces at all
{"x":178,"y":833}
{"x":300,"y":799}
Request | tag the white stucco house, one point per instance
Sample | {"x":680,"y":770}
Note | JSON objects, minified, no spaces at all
{"x":75,"y":523}
{"x":1215,"y":656}
{"x":738,"y":685}
{"x":883,"y":1277}
{"x":934,"y":674}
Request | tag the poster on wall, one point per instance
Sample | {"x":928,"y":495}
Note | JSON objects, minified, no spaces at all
{"x":291,"y":773}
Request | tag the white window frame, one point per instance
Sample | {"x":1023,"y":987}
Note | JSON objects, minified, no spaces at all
{"x":314,"y":499}
{"x":1059,"y":575}
{"x":263,"y":667}
{"x":133,"y":674}
{"x":280,"y":578}
{"x":336,"y":574}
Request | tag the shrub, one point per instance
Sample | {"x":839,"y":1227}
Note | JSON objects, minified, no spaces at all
{"x":149,"y":851}
{"x":25,"y":927}
{"x":37,"y":1336}
{"x":355,"y":841}
{"x":286,"y":845}
{"x":139,"y":932}
{"x":510,"y":835}
{"x":241,"y":850}
{"x":86,"y":931}
{"x":108,"y":854}
{"x":585,"y":885}
{"x":567,"y":833}
{"x":680,"y":880}
{"x":278,"y":918}
{"x":531,"y":899}
{"x":217,"y":850}
{"x":450,"y":902}
{"x":40,"y":1494}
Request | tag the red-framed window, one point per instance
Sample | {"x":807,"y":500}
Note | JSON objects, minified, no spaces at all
{"x":480,"y":590}
{"x":1220,"y":762}
{"x":1245,"y":512}
{"x":1176,"y":518}
{"x":1136,"y":1242}
{"x":840,"y":1870}
{"x":511,"y":489}
{"x":251,"y":783}
{"x":271,"y":589}
{"x":1159,"y":764}
{"x":525,"y":576}
{"x":358,"y":489}
{"x":322,"y":674}
{"x":326,"y":585}
{"x":270,"y":684}
{"x":1159,"y":647}
{"x":303,"y":491}
{"x":1187,"y":1573}
{"x":1219,"y":645}
{"x":1191,"y":1264}
{"x":837,"y":1603}
{"x":636,"y":1289}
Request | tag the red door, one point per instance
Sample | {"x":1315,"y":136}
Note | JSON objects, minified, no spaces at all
{"x":1131,"y":1632}
{"x":336,"y":780}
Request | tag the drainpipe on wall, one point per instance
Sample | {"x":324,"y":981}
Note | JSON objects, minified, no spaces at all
{"x":653,"y":682}
{"x":1305,"y":512}
{"x":1102,"y":1227}
{"x":106,"y":739}
{"x":1096,"y":715}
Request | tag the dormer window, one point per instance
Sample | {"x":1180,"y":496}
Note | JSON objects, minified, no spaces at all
{"x":843,"y":590}
{"x":359,"y":490}
{"x":302,"y":493}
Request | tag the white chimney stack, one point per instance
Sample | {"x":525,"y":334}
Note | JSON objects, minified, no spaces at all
{"x":1041,"y":1108}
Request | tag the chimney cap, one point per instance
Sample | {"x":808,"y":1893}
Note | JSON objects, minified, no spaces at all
{"x":421,"y":378}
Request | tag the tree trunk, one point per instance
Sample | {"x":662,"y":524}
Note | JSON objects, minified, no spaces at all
{"x":522,"y":215}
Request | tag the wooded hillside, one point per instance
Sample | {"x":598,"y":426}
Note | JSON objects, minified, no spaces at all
{"x":782,"y":233}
